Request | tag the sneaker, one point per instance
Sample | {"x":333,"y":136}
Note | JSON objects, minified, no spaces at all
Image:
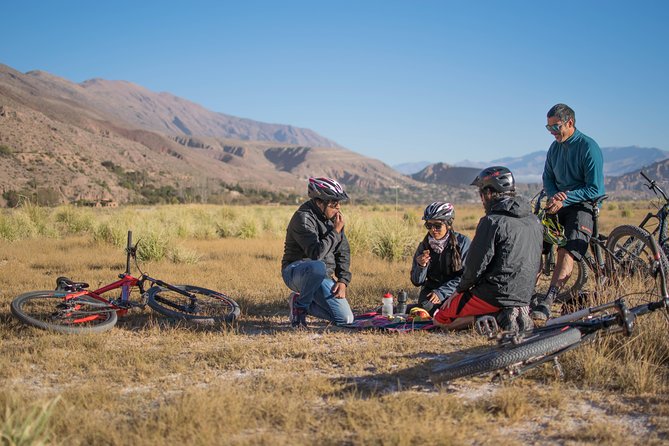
{"x":540,"y":313}
{"x":297,"y":316}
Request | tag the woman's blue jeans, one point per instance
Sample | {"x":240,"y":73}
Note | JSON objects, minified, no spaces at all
{"x":310,"y":279}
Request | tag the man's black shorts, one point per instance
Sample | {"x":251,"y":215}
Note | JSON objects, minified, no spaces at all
{"x":577,"y":221}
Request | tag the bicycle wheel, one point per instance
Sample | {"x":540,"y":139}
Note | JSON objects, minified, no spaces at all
{"x":576,"y":282}
{"x":630,"y":255}
{"x":50,"y":310}
{"x":194,"y":304}
{"x":500,"y":357}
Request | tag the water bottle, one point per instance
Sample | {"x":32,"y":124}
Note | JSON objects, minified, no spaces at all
{"x":402,"y":302}
{"x":387,"y":309}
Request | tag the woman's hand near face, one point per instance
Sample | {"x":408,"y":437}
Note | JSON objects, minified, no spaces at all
{"x":423,"y":259}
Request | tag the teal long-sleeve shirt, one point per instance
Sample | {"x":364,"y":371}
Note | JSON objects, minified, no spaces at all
{"x":576,"y":167}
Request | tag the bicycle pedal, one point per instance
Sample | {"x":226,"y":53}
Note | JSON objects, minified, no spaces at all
{"x":487,"y":326}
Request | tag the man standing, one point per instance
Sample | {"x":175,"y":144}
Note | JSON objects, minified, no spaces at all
{"x":573,"y":175}
{"x":317,"y":258}
{"x":503,"y":260}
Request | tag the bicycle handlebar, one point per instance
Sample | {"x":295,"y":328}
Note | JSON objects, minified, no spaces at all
{"x":652,"y":185}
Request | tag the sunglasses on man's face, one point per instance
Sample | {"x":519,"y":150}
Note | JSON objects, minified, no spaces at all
{"x":333,"y":204}
{"x":555,"y":128}
{"x":435,"y":226}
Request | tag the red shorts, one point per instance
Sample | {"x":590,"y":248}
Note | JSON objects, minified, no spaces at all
{"x":474,"y":306}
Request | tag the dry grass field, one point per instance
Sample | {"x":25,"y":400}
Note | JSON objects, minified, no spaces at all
{"x":151,"y":381}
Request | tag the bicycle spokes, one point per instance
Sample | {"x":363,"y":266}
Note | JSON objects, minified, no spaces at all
{"x":80,"y":310}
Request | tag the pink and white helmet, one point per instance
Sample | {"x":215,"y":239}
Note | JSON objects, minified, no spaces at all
{"x":326,"y":189}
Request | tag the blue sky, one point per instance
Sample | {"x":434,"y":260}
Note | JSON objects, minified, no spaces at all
{"x":400,"y":81}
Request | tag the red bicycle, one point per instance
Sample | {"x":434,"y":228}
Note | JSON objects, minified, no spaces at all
{"x":72,"y":308}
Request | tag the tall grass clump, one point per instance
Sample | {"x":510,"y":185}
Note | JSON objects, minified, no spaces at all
{"x":153,"y":246}
{"x":180,"y":255}
{"x":359,"y":235}
{"x":411,"y":218}
{"x":25,"y":222}
{"x":110,"y":233}
{"x":636,"y":364}
{"x":226,"y":229}
{"x":248,"y":228}
{"x":28,"y":425}
{"x":392,"y":241}
{"x":40,"y":218}
{"x":15,"y":227}
{"x":73,"y":221}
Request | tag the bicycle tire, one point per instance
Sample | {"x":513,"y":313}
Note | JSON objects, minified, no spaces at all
{"x":49,"y":311}
{"x":210,"y":307}
{"x":577,"y":281}
{"x":500,"y":357}
{"x":631,"y":255}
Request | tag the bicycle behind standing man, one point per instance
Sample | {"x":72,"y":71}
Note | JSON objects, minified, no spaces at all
{"x":573,"y":174}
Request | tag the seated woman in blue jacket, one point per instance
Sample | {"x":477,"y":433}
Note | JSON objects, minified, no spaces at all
{"x":439,"y":259}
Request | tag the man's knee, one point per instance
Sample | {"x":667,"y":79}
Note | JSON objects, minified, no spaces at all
{"x":318,"y":269}
{"x":345,"y":317}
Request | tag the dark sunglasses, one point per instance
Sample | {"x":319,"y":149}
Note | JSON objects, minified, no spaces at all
{"x":555,"y":128}
{"x":436,"y":226}
{"x":333,"y":204}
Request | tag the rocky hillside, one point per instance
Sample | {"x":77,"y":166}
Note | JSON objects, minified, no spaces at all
{"x":633,"y":186}
{"x":63,"y":141}
{"x":442,"y":173}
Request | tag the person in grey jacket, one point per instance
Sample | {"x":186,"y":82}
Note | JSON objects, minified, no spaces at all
{"x":438,"y":262}
{"x":503,"y":259}
{"x":316,"y":258}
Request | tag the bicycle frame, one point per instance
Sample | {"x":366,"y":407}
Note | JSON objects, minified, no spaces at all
{"x":661,"y":215}
{"x":596,"y":245}
{"x":121,"y":306}
{"x":126,"y":282}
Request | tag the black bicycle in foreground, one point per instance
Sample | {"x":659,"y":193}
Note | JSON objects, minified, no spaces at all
{"x":516,"y":353}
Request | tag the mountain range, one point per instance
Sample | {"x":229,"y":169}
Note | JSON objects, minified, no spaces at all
{"x":115,"y":140}
{"x":528,"y":168}
{"x":63,"y":142}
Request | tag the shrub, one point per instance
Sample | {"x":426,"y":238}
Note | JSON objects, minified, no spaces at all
{"x":392,"y":242}
{"x":111,"y":234}
{"x":74,"y":221}
{"x":153,"y":247}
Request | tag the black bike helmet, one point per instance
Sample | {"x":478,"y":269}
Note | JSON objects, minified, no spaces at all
{"x":439,"y":211}
{"x":498,"y":178}
{"x":326,"y":189}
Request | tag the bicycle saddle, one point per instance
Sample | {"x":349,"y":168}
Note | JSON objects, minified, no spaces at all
{"x":65,"y":284}
{"x":595,"y":201}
